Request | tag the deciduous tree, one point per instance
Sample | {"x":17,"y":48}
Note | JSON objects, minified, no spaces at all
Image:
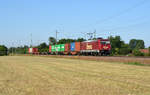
{"x":136,"y":44}
{"x":52,"y":41}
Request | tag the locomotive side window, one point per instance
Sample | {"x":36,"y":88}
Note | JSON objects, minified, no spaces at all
{"x":105,"y":42}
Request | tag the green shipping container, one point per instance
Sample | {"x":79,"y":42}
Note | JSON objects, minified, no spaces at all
{"x":58,"y":48}
{"x":53,"y":48}
{"x":62,"y":47}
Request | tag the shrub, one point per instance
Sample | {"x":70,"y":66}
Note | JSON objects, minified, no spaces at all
{"x":149,"y":51}
{"x":137,"y":53}
{"x":3,"y":50}
{"x":124,"y":51}
{"x":146,"y":54}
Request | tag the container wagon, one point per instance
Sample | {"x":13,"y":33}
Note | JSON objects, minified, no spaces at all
{"x":75,"y":48}
{"x":67,"y":49}
{"x":33,"y":50}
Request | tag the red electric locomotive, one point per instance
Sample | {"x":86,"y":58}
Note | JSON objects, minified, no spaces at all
{"x":96,"y":47}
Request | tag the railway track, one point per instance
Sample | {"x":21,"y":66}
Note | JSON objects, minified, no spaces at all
{"x":45,"y":53}
{"x":122,"y":59}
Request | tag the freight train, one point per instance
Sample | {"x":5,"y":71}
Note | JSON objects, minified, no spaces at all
{"x":92,"y":47}
{"x":96,"y":47}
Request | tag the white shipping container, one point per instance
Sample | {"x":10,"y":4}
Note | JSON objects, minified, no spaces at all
{"x":30,"y":50}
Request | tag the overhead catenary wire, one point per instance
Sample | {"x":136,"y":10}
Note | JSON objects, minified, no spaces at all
{"x":118,"y":14}
{"x":124,"y":11}
{"x":124,"y":27}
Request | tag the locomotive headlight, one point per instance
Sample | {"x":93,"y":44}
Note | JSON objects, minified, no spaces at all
{"x":105,"y":47}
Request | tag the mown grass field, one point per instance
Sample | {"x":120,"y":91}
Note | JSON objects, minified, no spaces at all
{"x":31,"y":75}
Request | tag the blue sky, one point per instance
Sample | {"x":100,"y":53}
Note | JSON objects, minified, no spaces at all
{"x":72,"y":18}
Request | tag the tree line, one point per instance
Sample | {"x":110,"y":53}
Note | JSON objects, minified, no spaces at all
{"x":119,"y":47}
